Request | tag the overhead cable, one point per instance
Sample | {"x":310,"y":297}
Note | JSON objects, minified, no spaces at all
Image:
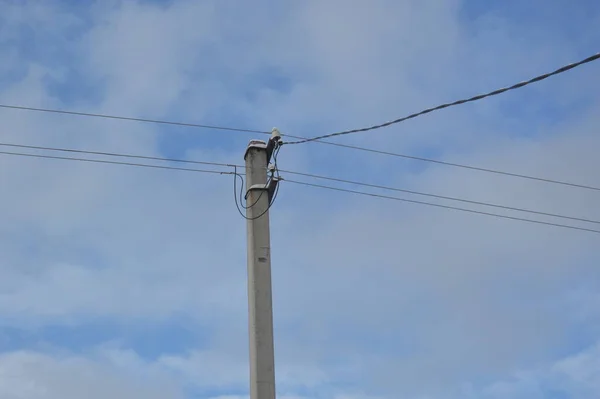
{"x":442,"y":206}
{"x":495,"y":171}
{"x":310,"y":185}
{"x":455,"y":103}
{"x":238,"y":175}
{"x":117,"y":154}
{"x":128,"y":118}
{"x":510,"y":208}
{"x":305,"y":139}
{"x":116,"y":163}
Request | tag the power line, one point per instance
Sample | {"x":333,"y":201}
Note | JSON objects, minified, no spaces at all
{"x":70,"y":150}
{"x":457,"y":165}
{"x":323,"y":142}
{"x":116,"y":154}
{"x":302,"y":139}
{"x":127,"y":118}
{"x":235,"y":174}
{"x":443,"y":206}
{"x":116,"y":163}
{"x":454,"y":103}
{"x":442,"y":197}
{"x":305,"y":184}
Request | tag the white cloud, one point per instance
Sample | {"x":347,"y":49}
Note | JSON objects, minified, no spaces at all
{"x":407,"y":300}
{"x":30,"y":375}
{"x":574,"y":377}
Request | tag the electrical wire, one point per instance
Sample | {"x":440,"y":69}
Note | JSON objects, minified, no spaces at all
{"x":270,"y":179}
{"x":275,"y":153}
{"x":271,"y":202}
{"x":441,"y":197}
{"x":241,"y":191}
{"x":113,"y":154}
{"x":264,"y":212}
{"x":257,"y":199}
{"x":128,"y":118}
{"x":442,"y":206}
{"x":115,"y":163}
{"x":301,"y":139}
{"x":277,"y":171}
{"x":454,"y":103}
{"x":116,"y":154}
{"x":235,"y":194}
{"x":499,"y":172}
{"x":235,"y":173}
{"x":304,"y":184}
{"x":456,"y":165}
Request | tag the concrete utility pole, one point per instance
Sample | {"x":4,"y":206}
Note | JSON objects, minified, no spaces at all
{"x":259,"y":192}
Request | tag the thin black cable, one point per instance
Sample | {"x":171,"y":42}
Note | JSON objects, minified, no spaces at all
{"x":458,"y":102}
{"x":301,"y":183}
{"x":275,"y":194}
{"x":237,"y":205}
{"x":246,"y":207}
{"x":443,"y":206}
{"x":456,"y":165}
{"x":116,"y":154}
{"x":318,"y":141}
{"x":146,"y":157}
{"x":235,"y":192}
{"x":277,"y":170}
{"x":300,"y":138}
{"x":128,"y":118}
{"x":243,"y":197}
{"x":115,"y":163}
{"x":275,"y":153}
{"x":235,"y":174}
{"x":442,"y":197}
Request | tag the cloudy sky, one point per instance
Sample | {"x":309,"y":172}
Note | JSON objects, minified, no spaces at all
{"x":129,"y":282}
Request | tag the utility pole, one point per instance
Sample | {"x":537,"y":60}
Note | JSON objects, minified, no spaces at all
{"x":259,"y":192}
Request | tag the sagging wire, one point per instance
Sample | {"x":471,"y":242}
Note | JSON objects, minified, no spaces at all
{"x":278,"y":177}
{"x":240,"y":204}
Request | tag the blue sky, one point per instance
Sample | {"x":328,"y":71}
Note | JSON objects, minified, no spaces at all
{"x":124,"y":282}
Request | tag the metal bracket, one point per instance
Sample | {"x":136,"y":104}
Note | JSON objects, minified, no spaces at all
{"x":255,"y":187}
{"x":272,"y":187}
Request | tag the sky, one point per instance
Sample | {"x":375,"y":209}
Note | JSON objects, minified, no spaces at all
{"x":131,"y":282}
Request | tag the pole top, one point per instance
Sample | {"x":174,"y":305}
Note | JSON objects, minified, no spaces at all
{"x":258,"y":144}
